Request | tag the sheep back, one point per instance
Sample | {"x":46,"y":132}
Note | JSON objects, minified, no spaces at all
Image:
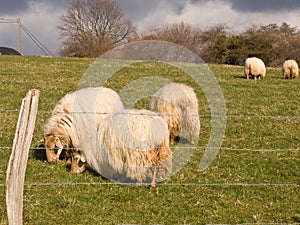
{"x":255,"y":67}
{"x":178,"y":105}
{"x":77,"y":115}
{"x":130,"y":145}
{"x":290,"y":69}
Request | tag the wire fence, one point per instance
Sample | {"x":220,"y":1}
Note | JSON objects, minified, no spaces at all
{"x":228,"y":116}
{"x":49,"y":184}
{"x":297,"y":150}
{"x":267,"y":185}
{"x":196,"y":147}
{"x":246,"y":116}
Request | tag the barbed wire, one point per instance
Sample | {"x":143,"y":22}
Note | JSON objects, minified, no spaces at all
{"x":194,"y":147}
{"x":246,"y":116}
{"x":9,"y":110}
{"x":49,"y":184}
{"x":8,"y":20}
{"x":261,"y":150}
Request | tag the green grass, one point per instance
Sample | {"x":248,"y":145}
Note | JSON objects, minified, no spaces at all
{"x":262,"y":115}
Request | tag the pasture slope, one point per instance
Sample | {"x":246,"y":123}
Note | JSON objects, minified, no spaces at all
{"x":253,"y":179}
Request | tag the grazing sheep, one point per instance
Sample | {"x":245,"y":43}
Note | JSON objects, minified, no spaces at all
{"x":75,"y":116}
{"x":255,"y":67}
{"x":290,"y":69}
{"x":129,"y":145}
{"x":178,"y":105}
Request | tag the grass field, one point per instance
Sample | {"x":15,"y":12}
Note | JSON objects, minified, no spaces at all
{"x":253,"y":179}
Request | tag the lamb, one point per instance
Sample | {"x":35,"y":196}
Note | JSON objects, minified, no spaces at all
{"x":75,"y":116}
{"x":129,"y":146}
{"x":255,"y":67}
{"x":290,"y":69}
{"x":178,"y":105}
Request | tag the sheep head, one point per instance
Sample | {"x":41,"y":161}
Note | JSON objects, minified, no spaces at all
{"x":53,"y":147}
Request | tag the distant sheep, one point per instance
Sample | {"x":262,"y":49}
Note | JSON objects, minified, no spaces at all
{"x":290,"y":69}
{"x":75,"y":116}
{"x":255,"y":67}
{"x":129,"y":145}
{"x":178,"y":105}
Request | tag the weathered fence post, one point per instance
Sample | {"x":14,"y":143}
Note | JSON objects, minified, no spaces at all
{"x":15,"y":174}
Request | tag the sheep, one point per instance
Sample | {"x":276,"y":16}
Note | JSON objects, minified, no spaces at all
{"x":255,"y":67}
{"x":178,"y":105}
{"x":75,"y":116}
{"x":290,"y":69}
{"x":129,"y":145}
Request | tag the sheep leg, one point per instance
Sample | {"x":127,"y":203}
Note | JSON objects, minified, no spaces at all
{"x":247,"y":74}
{"x":153,"y":182}
{"x":192,"y":139}
{"x":172,"y":138}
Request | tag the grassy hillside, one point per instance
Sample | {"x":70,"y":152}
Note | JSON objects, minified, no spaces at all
{"x":253,"y":179}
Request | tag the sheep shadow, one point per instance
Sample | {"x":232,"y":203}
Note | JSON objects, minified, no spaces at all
{"x":239,"y":77}
{"x":39,"y":153}
{"x":88,"y":170}
{"x":181,"y":140}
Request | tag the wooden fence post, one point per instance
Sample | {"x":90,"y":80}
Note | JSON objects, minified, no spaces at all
{"x":15,"y":175}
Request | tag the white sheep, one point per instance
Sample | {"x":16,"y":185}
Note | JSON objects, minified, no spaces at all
{"x":129,"y":146}
{"x":75,"y":116}
{"x":290,"y":69}
{"x":178,"y":105}
{"x":255,"y":67}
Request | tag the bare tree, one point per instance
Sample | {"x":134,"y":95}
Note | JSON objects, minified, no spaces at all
{"x":92,"y":27}
{"x":179,"y":33}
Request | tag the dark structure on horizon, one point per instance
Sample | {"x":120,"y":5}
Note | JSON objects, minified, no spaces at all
{"x":8,"y":51}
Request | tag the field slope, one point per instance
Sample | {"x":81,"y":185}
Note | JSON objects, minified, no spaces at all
{"x":253,"y":179}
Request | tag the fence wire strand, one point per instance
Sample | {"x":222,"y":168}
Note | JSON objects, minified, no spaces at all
{"x":194,"y":147}
{"x":179,"y":147}
{"x":246,"y":116}
{"x":29,"y":185}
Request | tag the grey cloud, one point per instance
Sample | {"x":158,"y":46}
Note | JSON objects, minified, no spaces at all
{"x":55,"y":3}
{"x":264,"y":5}
{"x":137,"y":9}
{"x":13,"y":7}
{"x":258,"y":5}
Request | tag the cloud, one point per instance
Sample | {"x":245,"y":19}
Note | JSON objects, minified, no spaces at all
{"x":237,"y":14}
{"x":206,"y":13}
{"x":149,"y":14}
{"x":264,"y":5}
{"x":152,"y":13}
{"x":11,"y":7}
{"x":137,"y":9}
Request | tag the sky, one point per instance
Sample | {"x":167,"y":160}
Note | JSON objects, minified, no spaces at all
{"x":41,"y":17}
